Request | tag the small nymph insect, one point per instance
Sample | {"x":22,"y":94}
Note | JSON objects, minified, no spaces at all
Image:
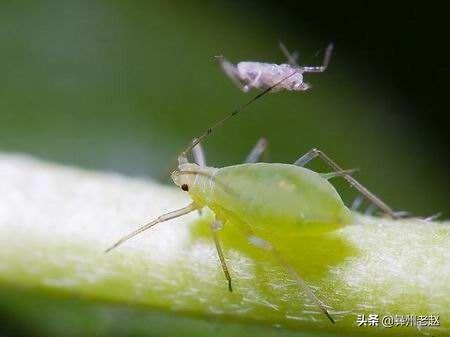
{"x":260,"y":75}
{"x":255,"y":196}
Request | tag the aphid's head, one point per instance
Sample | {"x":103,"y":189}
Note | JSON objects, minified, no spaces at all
{"x":184,"y":176}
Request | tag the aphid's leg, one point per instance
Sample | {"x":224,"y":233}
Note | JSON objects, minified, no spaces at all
{"x":323,"y":67}
{"x":313,"y":69}
{"x":342,"y":173}
{"x":356,"y":203}
{"x":292,"y":58}
{"x":402,"y":214}
{"x":352,"y":181}
{"x":246,"y":88}
{"x":258,"y":242}
{"x":162,"y":218}
{"x":369,"y":210}
{"x":215,"y":227}
{"x":433,"y":217}
{"x":257,"y":151}
{"x":199,"y":154}
{"x":199,"y":159}
{"x":255,"y":82}
{"x":182,"y":159}
{"x":304,"y":86}
{"x":231,"y":71}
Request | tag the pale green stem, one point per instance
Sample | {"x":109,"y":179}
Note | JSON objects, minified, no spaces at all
{"x":56,"y":222}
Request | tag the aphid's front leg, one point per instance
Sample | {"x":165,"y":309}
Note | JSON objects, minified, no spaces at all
{"x":263,"y":244}
{"x":215,"y":227}
{"x":257,"y":151}
{"x":310,"y":155}
{"x":231,"y":71}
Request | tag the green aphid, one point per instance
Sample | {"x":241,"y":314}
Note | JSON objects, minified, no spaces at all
{"x":262,"y":198}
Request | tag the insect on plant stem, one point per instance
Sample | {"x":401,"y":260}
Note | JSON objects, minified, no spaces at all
{"x":226,"y":192}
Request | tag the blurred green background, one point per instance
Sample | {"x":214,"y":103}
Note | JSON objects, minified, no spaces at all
{"x":123,"y":86}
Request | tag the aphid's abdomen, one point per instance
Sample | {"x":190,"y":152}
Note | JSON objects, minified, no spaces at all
{"x":269,"y":74}
{"x":281,"y":195}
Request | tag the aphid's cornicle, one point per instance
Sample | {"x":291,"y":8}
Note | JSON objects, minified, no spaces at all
{"x":244,"y":193}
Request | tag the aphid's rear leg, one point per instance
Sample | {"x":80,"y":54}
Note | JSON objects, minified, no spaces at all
{"x":292,"y":58}
{"x":258,"y":242}
{"x":215,"y":227}
{"x":257,"y":151}
{"x":303,"y":160}
{"x":323,"y":67}
{"x":162,"y":218}
{"x":231,"y":71}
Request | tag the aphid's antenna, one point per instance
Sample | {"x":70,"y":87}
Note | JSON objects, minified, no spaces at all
{"x":182,"y":158}
{"x":168,"y":216}
{"x":171,"y":215}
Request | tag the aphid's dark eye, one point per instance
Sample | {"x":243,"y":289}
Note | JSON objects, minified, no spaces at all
{"x":185,"y":187}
